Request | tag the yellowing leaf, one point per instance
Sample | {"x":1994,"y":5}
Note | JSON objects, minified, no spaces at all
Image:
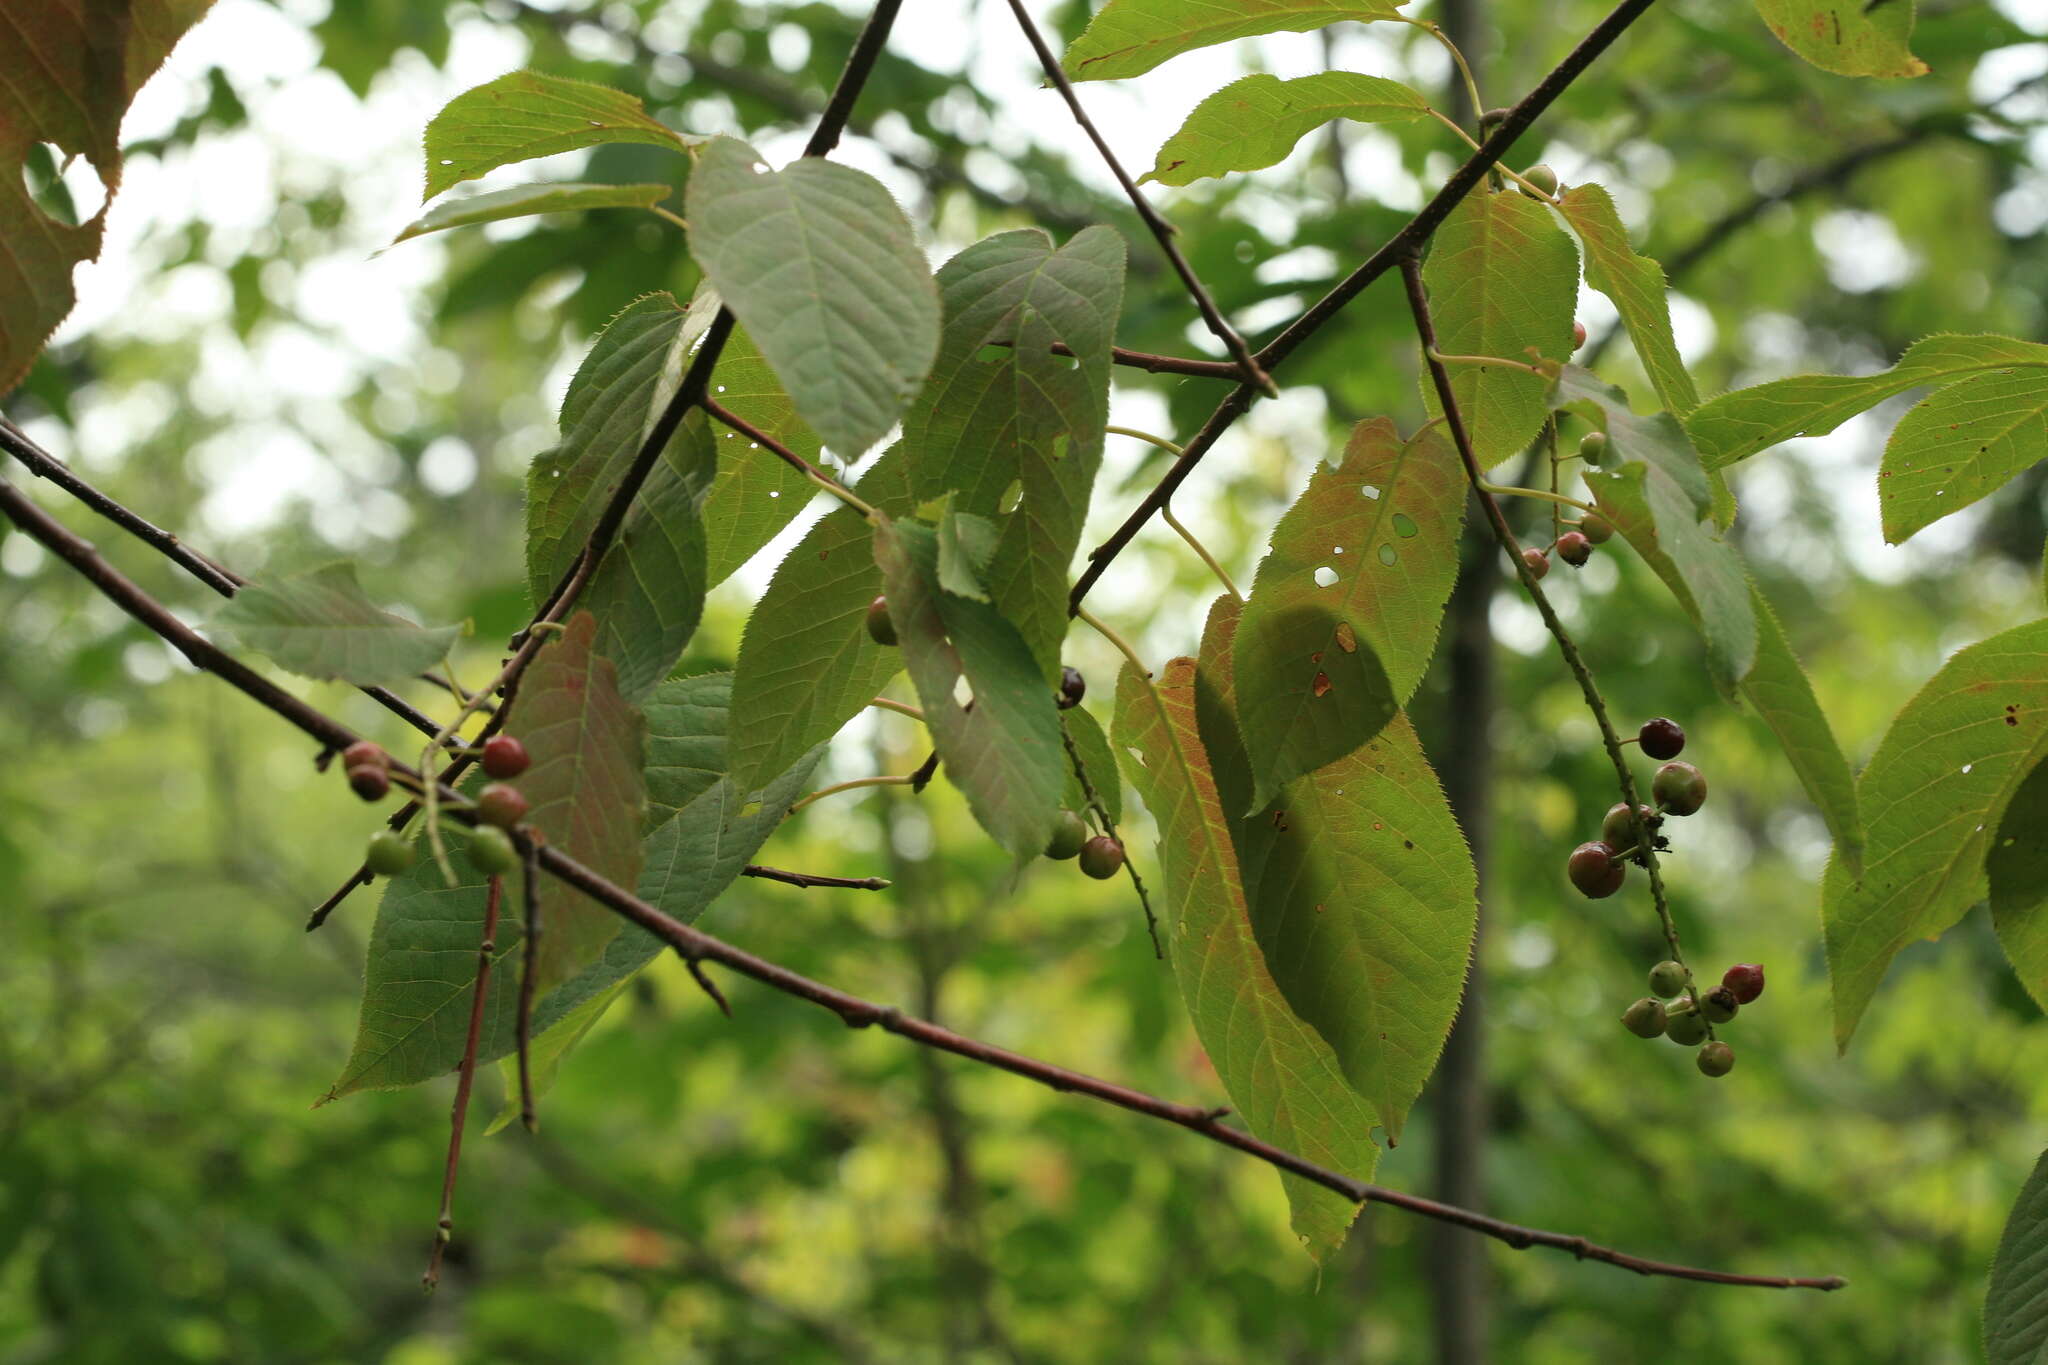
{"x":1255,"y":122}
{"x":1961,"y":443}
{"x":1847,"y":37}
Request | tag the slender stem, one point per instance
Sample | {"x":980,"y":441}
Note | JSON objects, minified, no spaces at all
{"x":1503,"y":490}
{"x":1484,"y":361}
{"x":697,"y":946}
{"x":465,"y":1077}
{"x":901,"y":708}
{"x":1135,"y":433}
{"x":1223,"y":577}
{"x":1532,"y":190}
{"x":806,"y":880}
{"x":529,"y":975}
{"x":885,"y":780}
{"x":1123,"y":645}
{"x":674,"y":218}
{"x":1247,"y":364}
{"x":1094,"y":799}
{"x":1425,"y":328}
{"x":1158,"y":364}
{"x":1464,"y":69}
{"x":726,"y":417}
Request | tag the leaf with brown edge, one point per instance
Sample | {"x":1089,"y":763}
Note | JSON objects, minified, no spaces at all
{"x":1344,"y":613}
{"x":1280,"y":1077}
{"x":586,"y":789}
{"x":70,"y":72}
{"x":1847,"y":37}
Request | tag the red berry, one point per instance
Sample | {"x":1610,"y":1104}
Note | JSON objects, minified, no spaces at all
{"x":501,"y":805}
{"x":1595,"y":870}
{"x":881,"y":627}
{"x":1578,"y":335}
{"x":1661,"y":738}
{"x":1538,"y":562}
{"x":1679,"y":788}
{"x":371,"y":781}
{"x":1574,"y":549}
{"x":1745,"y":979}
{"x":364,"y":754}
{"x":505,"y":756}
{"x":1102,"y":857}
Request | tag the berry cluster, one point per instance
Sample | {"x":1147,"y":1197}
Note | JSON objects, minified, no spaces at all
{"x":1689,"y":1013}
{"x":500,"y":806}
{"x":1600,"y":866}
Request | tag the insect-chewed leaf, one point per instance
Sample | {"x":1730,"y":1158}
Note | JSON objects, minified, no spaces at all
{"x":1003,"y":411}
{"x":526,"y":201}
{"x":74,"y":71}
{"x":1777,"y":688}
{"x":1097,"y":758}
{"x":320,"y":624}
{"x":1847,"y":37}
{"x":1959,"y":444}
{"x":755,"y":494}
{"x":522,"y":115}
{"x":1503,"y":281}
{"x":1254,"y":122}
{"x":1130,"y":37}
{"x":2016,"y":1304}
{"x":1635,"y":284}
{"x":648,"y":593}
{"x":1344,"y":613}
{"x":1279,"y":1074}
{"x":807,"y":664}
{"x":820,"y":265}
{"x":1932,"y":797}
{"x":1737,"y":425}
{"x":1001,"y":747}
{"x":1362,"y":895}
{"x":2017,"y":869}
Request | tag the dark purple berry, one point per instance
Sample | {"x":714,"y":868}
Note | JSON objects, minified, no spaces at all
{"x":1574,"y":549}
{"x":1661,"y":738}
{"x":1102,"y":857}
{"x":1745,"y":979}
{"x":501,"y":805}
{"x":881,"y":628}
{"x":1679,"y":788}
{"x":1596,"y":871}
{"x":364,"y":754}
{"x":1716,"y":1059}
{"x":371,"y":781}
{"x":1073,"y":687}
{"x":505,"y":757}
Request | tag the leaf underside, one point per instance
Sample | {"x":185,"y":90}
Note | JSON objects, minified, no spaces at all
{"x":1130,"y":37}
{"x":1255,"y":122}
{"x":321,"y":625}
{"x":524,"y":114}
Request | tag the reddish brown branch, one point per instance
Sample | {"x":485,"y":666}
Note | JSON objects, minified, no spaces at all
{"x":465,"y":1077}
{"x":810,"y":879}
{"x":529,"y":970}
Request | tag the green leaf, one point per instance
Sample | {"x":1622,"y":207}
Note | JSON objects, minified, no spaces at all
{"x":546,"y":1053}
{"x":1959,"y":444}
{"x":585,"y":786}
{"x":1737,"y":425}
{"x":1098,"y":759}
{"x":1655,"y":494}
{"x":1935,"y":790}
{"x":88,"y":63}
{"x":2017,"y":871}
{"x":1279,"y":1075}
{"x":806,"y":664}
{"x":1503,"y":281}
{"x":1362,"y":895}
{"x":1003,"y":413}
{"x":1777,"y":688}
{"x":820,"y":265}
{"x":522,"y":115}
{"x":1325,"y":666}
{"x":1847,"y":37}
{"x":2016,"y":1304}
{"x":1130,"y":37}
{"x":526,"y":201}
{"x":320,"y":625}
{"x":967,"y":544}
{"x":1636,"y":285}
{"x":648,"y":593}
{"x":1004,"y":752}
{"x":755,"y":494}
{"x":1254,"y":122}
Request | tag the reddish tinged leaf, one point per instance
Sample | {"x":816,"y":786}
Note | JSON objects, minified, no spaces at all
{"x":588,"y":798}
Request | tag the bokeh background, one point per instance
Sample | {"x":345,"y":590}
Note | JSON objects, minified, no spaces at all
{"x":246,"y":367}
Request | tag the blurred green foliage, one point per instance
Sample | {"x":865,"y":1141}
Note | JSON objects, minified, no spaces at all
{"x":776,"y":1188}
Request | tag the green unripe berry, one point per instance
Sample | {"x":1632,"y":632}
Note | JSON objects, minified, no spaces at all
{"x":389,"y":853}
{"x":1718,"y":1004}
{"x":1716,"y":1059}
{"x":881,"y":629}
{"x":1542,"y":177}
{"x":1067,"y":837}
{"x":1599,"y":530}
{"x":1593,"y":449}
{"x":492,"y":850}
{"x":1667,"y":979}
{"x":1683,"y":1025}
{"x":1102,"y":857}
{"x":1620,"y":830}
{"x":1645,"y":1019}
{"x":1679,"y":788}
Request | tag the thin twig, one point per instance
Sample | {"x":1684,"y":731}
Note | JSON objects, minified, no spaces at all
{"x":465,"y":1077}
{"x":1248,"y":367}
{"x":810,"y":879}
{"x":1094,"y":799}
{"x":529,"y":974}
{"x":855,"y":784}
{"x":1425,"y":329}
{"x":727,"y":417}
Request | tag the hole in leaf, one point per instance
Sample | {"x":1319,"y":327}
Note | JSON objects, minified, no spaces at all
{"x":1059,"y":446}
{"x":1404,"y":525}
{"x":1326,"y":576}
{"x":963,"y":692}
{"x":993,"y":355}
{"x":1336,"y":549}
{"x":1321,"y":686}
{"x":1388,"y":556}
{"x":1137,"y":756}
{"x":1347,"y":638}
{"x":1012,"y":495}
{"x":1368,"y":491}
